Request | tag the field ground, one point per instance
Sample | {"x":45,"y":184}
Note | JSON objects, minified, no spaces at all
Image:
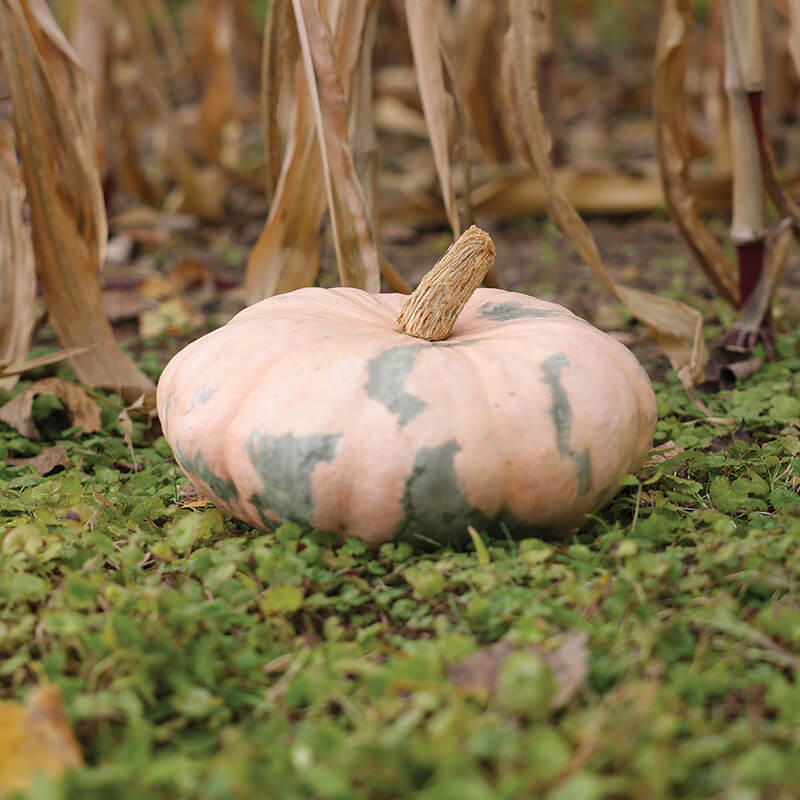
{"x":656,"y":654}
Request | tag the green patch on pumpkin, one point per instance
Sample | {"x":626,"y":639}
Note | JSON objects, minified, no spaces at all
{"x":201,"y":397}
{"x":387,"y":374}
{"x":513,"y":309}
{"x":197,"y":465}
{"x":437,"y":511}
{"x":561,"y":414}
{"x":285,"y":465}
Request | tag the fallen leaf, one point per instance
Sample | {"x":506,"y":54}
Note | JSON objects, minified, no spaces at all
{"x":190,"y":497}
{"x":80,"y":409}
{"x":45,"y":462}
{"x":35,"y":737}
{"x":479,"y":673}
{"x":662,"y":452}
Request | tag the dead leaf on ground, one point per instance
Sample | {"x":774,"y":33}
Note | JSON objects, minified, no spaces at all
{"x":35,"y":737}
{"x":191,"y":497}
{"x":662,"y":452}
{"x":81,"y":410}
{"x":45,"y":462}
{"x":479,"y":673}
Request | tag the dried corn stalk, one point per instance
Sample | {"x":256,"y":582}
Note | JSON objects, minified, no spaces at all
{"x":52,"y":111}
{"x":286,"y":256}
{"x":676,"y":327}
{"x":17,"y":272}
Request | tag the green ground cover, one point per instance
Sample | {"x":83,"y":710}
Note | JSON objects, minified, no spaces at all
{"x":201,"y":659}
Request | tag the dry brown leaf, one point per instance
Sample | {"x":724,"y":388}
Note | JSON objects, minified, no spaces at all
{"x":672,"y":147}
{"x":52,"y":110}
{"x":35,"y":737}
{"x":423,"y":30}
{"x":17,"y":270}
{"x":479,"y":673}
{"x":81,"y":410}
{"x":676,"y":327}
{"x":45,"y":462}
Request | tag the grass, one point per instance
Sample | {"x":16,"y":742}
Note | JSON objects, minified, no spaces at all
{"x":201,"y":659}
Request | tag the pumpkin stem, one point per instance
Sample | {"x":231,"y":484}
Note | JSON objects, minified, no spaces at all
{"x":431,"y":310}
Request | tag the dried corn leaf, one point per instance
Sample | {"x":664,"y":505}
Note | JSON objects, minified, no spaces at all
{"x":286,"y":255}
{"x":365,"y":143}
{"x":275,"y":60}
{"x":217,"y":106}
{"x":203,"y":188}
{"x":474,"y":40}
{"x":52,"y":110}
{"x":672,"y":147}
{"x":17,"y":271}
{"x":21,"y":367}
{"x":423,"y":30}
{"x":35,"y":738}
{"x":676,"y":327}
{"x":90,"y":37}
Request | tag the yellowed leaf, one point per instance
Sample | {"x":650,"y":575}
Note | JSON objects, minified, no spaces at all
{"x":35,"y":737}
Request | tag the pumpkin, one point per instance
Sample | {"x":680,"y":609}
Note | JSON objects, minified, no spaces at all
{"x":386,"y":416}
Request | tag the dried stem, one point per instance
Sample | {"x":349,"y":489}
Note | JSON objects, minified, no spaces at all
{"x":431,"y":310}
{"x":744,"y":80}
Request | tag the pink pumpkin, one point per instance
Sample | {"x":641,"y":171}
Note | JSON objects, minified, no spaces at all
{"x":312,"y":407}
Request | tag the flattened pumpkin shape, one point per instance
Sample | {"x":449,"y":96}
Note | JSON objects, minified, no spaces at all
{"x":310,"y":407}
